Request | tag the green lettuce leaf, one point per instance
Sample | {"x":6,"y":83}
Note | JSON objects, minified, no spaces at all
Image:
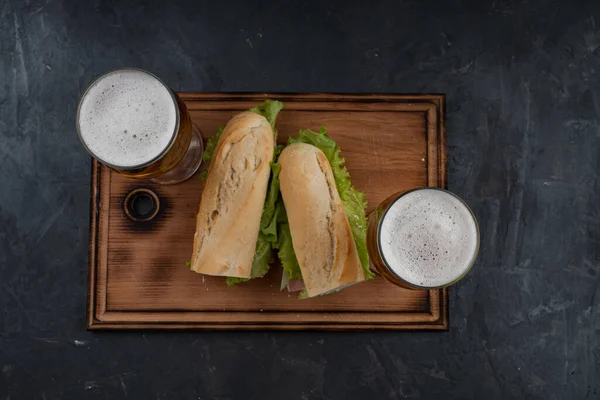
{"x":269,"y":109}
{"x":209,"y":151}
{"x":231,"y":281}
{"x":285,"y":248}
{"x":263,"y":256}
{"x":353,"y":200}
{"x":211,"y":145}
{"x":268,"y":220}
{"x":278,"y":229}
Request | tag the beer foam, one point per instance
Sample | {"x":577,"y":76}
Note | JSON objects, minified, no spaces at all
{"x":127,"y":118}
{"x":429,"y":238}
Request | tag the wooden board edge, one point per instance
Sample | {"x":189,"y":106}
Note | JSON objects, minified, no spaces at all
{"x":443,"y":160}
{"x":443,"y":165}
{"x":283,"y":328}
{"x":328,"y":97}
{"x":440,"y":323}
{"x":93,"y":243}
{"x":445,"y":314}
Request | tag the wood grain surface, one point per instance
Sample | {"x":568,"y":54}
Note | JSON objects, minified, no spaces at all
{"x":137,"y":272}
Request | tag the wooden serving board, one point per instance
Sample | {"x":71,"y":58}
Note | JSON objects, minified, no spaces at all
{"x":137,"y":272}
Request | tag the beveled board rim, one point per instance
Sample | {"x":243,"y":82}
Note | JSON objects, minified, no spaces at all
{"x":99,"y":318}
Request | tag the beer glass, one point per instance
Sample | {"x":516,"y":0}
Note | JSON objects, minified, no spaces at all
{"x":425,"y":238}
{"x":130,"y":121}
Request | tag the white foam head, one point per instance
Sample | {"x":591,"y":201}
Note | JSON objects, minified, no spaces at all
{"x":127,"y":118}
{"x":429,"y":238}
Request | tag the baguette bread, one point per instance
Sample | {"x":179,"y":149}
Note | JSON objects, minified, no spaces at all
{"x":321,"y":234}
{"x":228,"y":221}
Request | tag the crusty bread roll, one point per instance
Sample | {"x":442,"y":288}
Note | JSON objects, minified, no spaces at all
{"x":321,"y":234}
{"x":228,"y":221}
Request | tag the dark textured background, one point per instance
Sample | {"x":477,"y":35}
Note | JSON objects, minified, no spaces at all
{"x":522,"y":80}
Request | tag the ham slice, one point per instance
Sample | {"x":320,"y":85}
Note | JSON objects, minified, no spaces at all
{"x":295,"y":285}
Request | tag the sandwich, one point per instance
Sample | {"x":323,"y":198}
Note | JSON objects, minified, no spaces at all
{"x":235,"y":223}
{"x":321,"y":218}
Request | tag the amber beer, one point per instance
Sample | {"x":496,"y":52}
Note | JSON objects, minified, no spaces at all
{"x":129,"y":120}
{"x":423,"y":239}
